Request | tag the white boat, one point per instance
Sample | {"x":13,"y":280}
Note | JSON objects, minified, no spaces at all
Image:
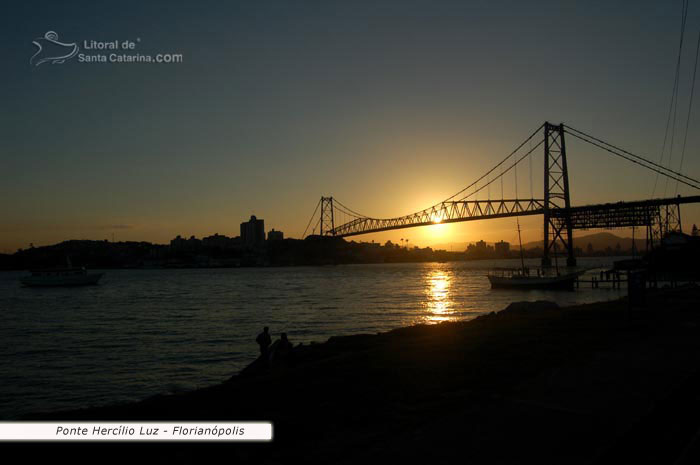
{"x":61,"y":277}
{"x":520,"y":278}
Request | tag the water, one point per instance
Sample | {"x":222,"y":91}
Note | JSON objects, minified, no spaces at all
{"x":144,"y":332}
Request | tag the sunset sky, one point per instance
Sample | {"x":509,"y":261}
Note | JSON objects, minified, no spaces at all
{"x":388,"y":106}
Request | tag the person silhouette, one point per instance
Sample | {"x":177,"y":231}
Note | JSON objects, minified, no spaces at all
{"x":282,"y":350}
{"x":264,"y":340}
{"x":285,"y":345}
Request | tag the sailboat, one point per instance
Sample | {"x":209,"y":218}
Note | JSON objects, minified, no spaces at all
{"x":521,"y":278}
{"x":67,"y":276}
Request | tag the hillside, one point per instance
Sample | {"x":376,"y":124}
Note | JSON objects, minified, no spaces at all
{"x":599,"y":241}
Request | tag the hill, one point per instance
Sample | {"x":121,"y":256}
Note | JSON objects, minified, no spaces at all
{"x":599,"y":241}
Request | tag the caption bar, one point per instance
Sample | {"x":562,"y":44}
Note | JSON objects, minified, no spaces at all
{"x":134,"y":431}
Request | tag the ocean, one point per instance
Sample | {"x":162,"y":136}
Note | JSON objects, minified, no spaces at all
{"x":145,"y":332}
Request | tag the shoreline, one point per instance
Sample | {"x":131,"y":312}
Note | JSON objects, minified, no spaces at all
{"x":613,"y":258}
{"x":584,"y":376}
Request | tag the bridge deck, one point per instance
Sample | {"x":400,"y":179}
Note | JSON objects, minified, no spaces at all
{"x":605,"y":215}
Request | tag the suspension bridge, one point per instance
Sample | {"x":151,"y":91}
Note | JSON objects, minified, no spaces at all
{"x":659,"y":216}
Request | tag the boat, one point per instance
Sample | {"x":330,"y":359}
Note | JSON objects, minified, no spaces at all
{"x":60,"y":277}
{"x":521,"y":278}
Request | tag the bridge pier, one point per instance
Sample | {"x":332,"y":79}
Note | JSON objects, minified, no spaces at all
{"x":327,"y":217}
{"x":556,"y":196}
{"x":667,"y":219}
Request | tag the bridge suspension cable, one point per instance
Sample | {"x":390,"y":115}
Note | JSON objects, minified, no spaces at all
{"x":502,"y":174}
{"x":311,"y":219}
{"x":449,"y":209}
{"x":674,"y":97}
{"x":349,"y":211}
{"x":494,"y":168}
{"x":690,"y":107}
{"x":339,"y":207}
{"x":667,"y":172}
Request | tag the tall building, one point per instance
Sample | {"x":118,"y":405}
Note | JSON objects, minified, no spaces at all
{"x":253,"y":232}
{"x":273,"y":235}
{"x":502,"y":248}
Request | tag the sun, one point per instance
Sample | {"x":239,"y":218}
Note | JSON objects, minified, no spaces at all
{"x":438,"y":230}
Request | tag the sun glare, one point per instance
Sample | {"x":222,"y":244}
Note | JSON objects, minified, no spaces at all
{"x":437,"y":231}
{"x":438,"y":303}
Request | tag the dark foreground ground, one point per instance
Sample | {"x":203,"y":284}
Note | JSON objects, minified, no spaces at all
{"x":532,"y":384}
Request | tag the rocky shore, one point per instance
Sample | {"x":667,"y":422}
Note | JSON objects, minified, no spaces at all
{"x":534,"y":383}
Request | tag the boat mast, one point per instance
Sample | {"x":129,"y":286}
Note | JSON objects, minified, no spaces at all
{"x":520,"y":241}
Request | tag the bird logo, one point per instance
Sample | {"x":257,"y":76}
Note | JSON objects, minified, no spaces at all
{"x":51,"y":50}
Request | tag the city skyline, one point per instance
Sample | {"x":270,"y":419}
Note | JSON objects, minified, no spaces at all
{"x":275,"y":105}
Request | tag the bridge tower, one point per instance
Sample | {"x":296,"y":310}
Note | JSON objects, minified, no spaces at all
{"x":556,"y":196}
{"x":327,"y":219}
{"x":667,"y":220}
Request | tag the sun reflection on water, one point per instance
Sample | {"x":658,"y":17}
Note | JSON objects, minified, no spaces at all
{"x":438,"y":304}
